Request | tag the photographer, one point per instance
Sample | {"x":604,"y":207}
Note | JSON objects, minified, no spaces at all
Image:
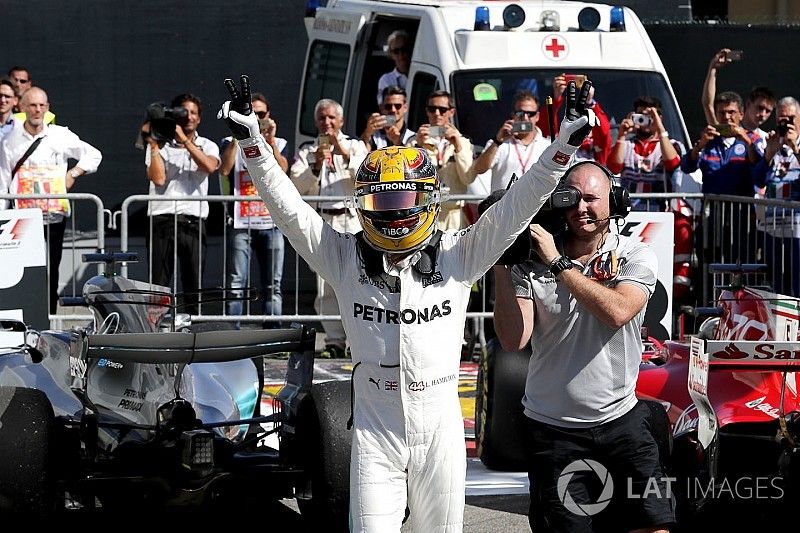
{"x":179,"y":167}
{"x":644,"y":154}
{"x":517,"y":144}
{"x":389,"y":128}
{"x":327,"y":167}
{"x":776,"y":177}
{"x":450,"y":151}
{"x":581,"y":304}
{"x":760,"y":102}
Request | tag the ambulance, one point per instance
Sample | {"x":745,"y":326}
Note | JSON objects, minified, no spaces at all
{"x":482,"y":52}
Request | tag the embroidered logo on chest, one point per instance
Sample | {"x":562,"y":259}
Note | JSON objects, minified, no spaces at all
{"x":436,"y":277}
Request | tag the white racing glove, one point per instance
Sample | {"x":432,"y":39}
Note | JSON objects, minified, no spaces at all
{"x":578,"y":122}
{"x":238,"y":111}
{"x":578,"y":119}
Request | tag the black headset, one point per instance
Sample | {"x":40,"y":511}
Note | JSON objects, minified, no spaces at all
{"x":619,"y":200}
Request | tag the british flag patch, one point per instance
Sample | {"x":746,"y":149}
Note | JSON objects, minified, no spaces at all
{"x":251,"y":151}
{"x":561,"y":158}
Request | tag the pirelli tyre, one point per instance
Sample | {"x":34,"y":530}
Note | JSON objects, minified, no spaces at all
{"x":498,"y":409}
{"x":325,"y":442}
{"x":27,"y":431}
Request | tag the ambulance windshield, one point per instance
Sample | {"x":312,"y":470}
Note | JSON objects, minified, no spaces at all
{"x":485,"y":97}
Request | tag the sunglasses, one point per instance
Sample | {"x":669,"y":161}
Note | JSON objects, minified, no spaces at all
{"x":389,"y":107}
{"x":400,"y":50}
{"x":522,"y":113}
{"x":21,"y":80}
{"x":432,"y":109}
{"x":262,"y":114}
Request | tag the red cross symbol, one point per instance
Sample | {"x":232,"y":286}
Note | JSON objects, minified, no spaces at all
{"x":555,"y":47}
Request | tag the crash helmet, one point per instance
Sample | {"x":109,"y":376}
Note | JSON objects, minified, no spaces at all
{"x":397,"y":198}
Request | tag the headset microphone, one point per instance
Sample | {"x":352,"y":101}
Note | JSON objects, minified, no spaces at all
{"x":596,"y":220}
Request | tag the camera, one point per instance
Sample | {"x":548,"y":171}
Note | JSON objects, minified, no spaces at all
{"x":550,"y":216}
{"x":734,"y":55}
{"x":783,"y":127}
{"x":163,"y":119}
{"x":390,"y":120}
{"x":436,"y":131}
{"x":521,"y":126}
{"x":641,"y":120}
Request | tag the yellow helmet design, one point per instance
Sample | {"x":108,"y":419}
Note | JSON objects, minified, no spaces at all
{"x":397,"y":198}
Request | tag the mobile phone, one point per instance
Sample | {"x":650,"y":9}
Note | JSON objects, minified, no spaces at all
{"x":725,"y":130}
{"x":323,"y":140}
{"x":734,"y":55}
{"x":521,"y":126}
{"x":436,"y":131}
{"x":577,"y":78}
{"x":641,"y":120}
{"x":391,"y":120}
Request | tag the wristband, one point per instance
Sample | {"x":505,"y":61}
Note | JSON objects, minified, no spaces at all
{"x":497,"y":142}
{"x":665,"y":135}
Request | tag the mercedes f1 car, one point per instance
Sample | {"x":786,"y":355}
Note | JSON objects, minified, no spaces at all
{"x":138,"y":409}
{"x":728,"y":406}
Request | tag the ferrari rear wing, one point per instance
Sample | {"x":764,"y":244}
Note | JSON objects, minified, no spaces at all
{"x":753,"y":355}
{"x":204,"y":347}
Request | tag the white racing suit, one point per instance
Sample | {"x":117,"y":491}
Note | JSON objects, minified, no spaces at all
{"x":405,"y":332}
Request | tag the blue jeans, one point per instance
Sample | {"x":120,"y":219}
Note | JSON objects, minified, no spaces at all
{"x":268,"y":246}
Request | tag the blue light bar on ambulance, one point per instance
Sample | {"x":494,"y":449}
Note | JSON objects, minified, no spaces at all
{"x":481,"y":19}
{"x":313,"y":5}
{"x":617,"y":22}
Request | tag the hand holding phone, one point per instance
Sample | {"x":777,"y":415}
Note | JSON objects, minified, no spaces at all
{"x":577,"y":78}
{"x":389,"y":121}
{"x":725,"y":130}
{"x":734,"y":55}
{"x":436,"y":131}
{"x":521,"y":126}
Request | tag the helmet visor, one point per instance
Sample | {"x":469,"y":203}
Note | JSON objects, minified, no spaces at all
{"x":395,"y":200}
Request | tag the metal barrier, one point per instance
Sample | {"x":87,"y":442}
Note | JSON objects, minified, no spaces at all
{"x":725,"y":229}
{"x":753,"y":230}
{"x":56,"y":321}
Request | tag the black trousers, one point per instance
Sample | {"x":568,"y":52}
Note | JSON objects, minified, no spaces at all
{"x":185,"y":236}
{"x":54,"y":237}
{"x":581,"y":498}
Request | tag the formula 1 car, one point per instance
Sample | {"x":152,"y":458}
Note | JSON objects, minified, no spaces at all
{"x":724,"y":402}
{"x":137,"y":409}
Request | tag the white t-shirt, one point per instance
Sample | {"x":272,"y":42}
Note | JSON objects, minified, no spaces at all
{"x":513,"y":157}
{"x":184,"y":178}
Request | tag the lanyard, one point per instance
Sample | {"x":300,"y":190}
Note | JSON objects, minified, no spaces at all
{"x":525,"y":164}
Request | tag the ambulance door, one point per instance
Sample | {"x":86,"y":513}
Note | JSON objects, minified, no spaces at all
{"x":371,"y":59}
{"x":332,"y":38}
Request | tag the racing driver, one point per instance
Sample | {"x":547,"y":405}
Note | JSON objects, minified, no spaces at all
{"x":403,"y":288}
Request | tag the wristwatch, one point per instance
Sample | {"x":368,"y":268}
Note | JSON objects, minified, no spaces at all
{"x":74,"y":173}
{"x":560,"y":264}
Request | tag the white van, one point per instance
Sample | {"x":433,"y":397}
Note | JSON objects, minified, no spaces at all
{"x":482,"y":69}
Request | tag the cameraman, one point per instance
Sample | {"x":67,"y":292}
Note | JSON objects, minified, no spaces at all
{"x":581,"y":306}
{"x":179,"y":167}
{"x":776,"y":177}
{"x":644,"y":154}
{"x":517,"y":144}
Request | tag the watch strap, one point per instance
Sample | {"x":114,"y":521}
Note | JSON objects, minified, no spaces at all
{"x":560,"y":264}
